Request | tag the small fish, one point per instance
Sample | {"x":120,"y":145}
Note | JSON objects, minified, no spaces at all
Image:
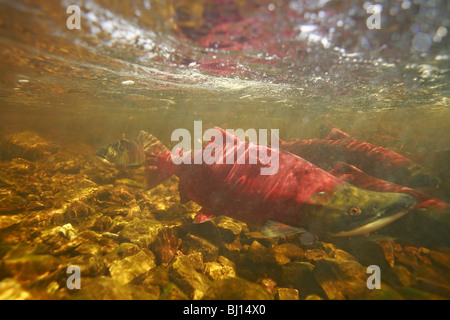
{"x":374,"y":160}
{"x":300,"y":195}
{"x":125,"y":152}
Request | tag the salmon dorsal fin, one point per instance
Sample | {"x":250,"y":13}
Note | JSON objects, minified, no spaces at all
{"x":277,"y":137}
{"x":343,"y":168}
{"x":150,"y":144}
{"x":146,"y":139}
{"x":336,"y":134}
{"x":228,"y":136}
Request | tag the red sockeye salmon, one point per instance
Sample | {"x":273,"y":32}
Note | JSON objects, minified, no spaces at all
{"x":300,"y":195}
{"x":374,"y":160}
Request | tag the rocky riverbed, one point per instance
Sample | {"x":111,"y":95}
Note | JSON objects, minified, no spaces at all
{"x":60,"y":208}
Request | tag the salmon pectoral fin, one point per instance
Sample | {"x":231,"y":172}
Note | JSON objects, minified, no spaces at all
{"x":203,"y":215}
{"x":273,"y":229}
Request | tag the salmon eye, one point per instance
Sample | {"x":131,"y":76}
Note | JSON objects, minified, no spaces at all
{"x":353,"y":211}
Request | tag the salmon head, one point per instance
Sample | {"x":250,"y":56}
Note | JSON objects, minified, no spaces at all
{"x":122,"y":152}
{"x":127,"y":152}
{"x":349,"y":211}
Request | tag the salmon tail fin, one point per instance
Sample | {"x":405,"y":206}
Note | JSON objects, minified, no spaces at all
{"x":158,"y":165}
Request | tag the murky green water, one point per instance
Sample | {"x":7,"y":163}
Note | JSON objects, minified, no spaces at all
{"x":302,"y":67}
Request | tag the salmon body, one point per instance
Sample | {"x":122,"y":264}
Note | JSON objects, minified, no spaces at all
{"x":373,"y":160}
{"x":263,"y":186}
{"x":240,"y":191}
{"x":299,"y":195}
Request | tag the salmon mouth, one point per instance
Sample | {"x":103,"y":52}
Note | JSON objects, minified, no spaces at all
{"x":104,"y":161}
{"x":382,"y":218}
{"x":372,"y":226}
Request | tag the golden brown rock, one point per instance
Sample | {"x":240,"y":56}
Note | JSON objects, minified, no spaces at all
{"x":341,"y":279}
{"x":125,"y":270}
{"x":287,"y":294}
{"x":290,"y":250}
{"x":191,"y":282}
{"x":236,"y":289}
{"x":192,"y":244}
{"x":28,"y":145}
{"x":315,"y":254}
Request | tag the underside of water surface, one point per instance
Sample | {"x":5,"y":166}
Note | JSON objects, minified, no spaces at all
{"x":376,"y":70}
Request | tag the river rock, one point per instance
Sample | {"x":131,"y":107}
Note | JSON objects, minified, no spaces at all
{"x":313,"y":297}
{"x":125,"y":270}
{"x":299,"y":275}
{"x":341,"y":279}
{"x":29,"y":268}
{"x":290,"y":250}
{"x":388,"y":249}
{"x":249,"y":236}
{"x":28,"y":145}
{"x":385,"y":293}
{"x":221,"y":269}
{"x":102,"y":223}
{"x":367,"y":251}
{"x":236,"y":289}
{"x":172,"y":292}
{"x":8,"y":221}
{"x":68,"y":231}
{"x":159,"y":277}
{"x":127,"y":249}
{"x":10,"y":289}
{"x":195,"y":260}
{"x":229,"y":228}
{"x":140,"y":231}
{"x":192,"y":244}
{"x":91,"y":266}
{"x":106,"y":288}
{"x":207,"y":230}
{"x":287,"y":294}
{"x":20,"y":166}
{"x":258,"y":253}
{"x":191,"y":282}
{"x":403,"y":275}
{"x":315,"y":254}
{"x":12,"y":204}
{"x":268,"y":284}
{"x":440,"y":258}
